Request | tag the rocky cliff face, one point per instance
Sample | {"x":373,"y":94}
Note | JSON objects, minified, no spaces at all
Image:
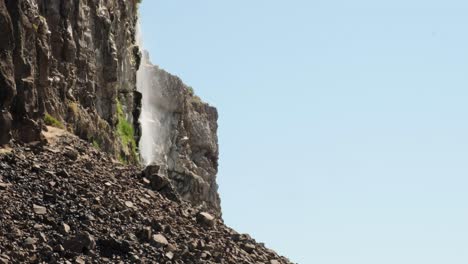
{"x":73,"y":62}
{"x":185,"y":143}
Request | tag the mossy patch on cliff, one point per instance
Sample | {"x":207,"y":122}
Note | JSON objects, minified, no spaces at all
{"x":52,"y":121}
{"x":126,"y":133}
{"x":96,"y":144}
{"x":194,"y":97}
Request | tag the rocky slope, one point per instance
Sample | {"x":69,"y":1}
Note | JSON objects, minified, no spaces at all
{"x":185,"y":141}
{"x":73,"y":62}
{"x":68,"y":202}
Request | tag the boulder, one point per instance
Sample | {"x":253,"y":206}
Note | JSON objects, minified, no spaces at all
{"x":160,"y":240}
{"x":40,"y":210}
{"x":158,"y":182}
{"x":81,"y":243}
{"x":64,"y":228}
{"x":205,"y":219}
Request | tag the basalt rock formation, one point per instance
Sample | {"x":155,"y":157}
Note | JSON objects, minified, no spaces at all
{"x":187,"y":139}
{"x":73,"y":61}
{"x":75,"y":65}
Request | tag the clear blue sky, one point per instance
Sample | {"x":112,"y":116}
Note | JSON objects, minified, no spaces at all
{"x":343,"y":124}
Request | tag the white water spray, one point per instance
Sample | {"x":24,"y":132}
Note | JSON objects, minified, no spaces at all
{"x":155,"y":122}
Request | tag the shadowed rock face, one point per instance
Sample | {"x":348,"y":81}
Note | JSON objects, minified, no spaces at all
{"x":189,"y":152}
{"x":70,"y":59}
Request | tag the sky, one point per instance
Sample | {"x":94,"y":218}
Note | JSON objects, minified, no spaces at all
{"x":342,"y":124}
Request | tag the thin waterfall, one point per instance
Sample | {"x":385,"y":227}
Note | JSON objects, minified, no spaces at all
{"x":154,"y":142}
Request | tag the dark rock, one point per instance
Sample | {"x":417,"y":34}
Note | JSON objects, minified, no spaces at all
{"x":158,"y":182}
{"x":249,"y":247}
{"x":145,"y":233}
{"x":205,"y":219}
{"x":152,"y":169}
{"x":81,"y":243}
{"x":241,"y":237}
{"x":71,"y":154}
{"x":5,"y":126}
{"x":112,"y":246}
{"x":63,"y":173}
{"x":93,"y":209}
{"x":59,"y":248}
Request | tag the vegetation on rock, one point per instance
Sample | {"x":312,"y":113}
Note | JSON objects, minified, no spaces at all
{"x":96,"y":144}
{"x":52,"y":121}
{"x":126,"y":133}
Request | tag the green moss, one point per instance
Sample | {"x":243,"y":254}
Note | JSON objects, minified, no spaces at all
{"x":96,"y":144}
{"x":51,"y":121}
{"x":125,"y":131}
{"x":190,"y":89}
{"x":122,"y":159}
{"x":42,"y":20}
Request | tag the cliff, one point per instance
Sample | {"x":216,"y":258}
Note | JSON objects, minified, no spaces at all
{"x":183,"y":141}
{"x":72,"y":68}
{"x":73,"y":64}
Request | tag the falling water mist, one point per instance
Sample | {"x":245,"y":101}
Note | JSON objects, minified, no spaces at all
{"x":155,"y":122}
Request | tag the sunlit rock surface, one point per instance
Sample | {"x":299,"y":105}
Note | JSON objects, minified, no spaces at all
{"x":182,"y":135}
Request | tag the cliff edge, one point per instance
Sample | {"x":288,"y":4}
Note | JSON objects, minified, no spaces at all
{"x":183,"y":140}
